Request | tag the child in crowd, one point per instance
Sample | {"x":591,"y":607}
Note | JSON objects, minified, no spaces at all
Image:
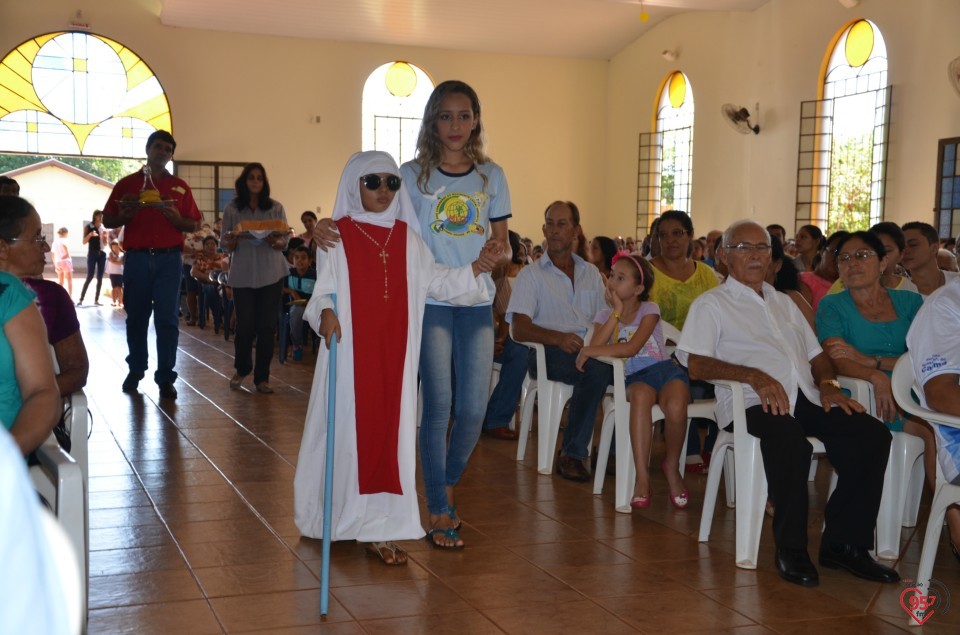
{"x":298,"y":289}
{"x":62,"y":262}
{"x":114,"y":270}
{"x":631,"y":329}
{"x":381,"y":276}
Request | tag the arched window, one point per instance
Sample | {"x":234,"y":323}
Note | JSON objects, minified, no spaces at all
{"x":71,"y":93}
{"x":665,"y":172}
{"x":844,"y":134}
{"x":394,"y":96}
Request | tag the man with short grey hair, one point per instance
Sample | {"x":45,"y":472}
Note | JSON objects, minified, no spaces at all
{"x":744,"y":330}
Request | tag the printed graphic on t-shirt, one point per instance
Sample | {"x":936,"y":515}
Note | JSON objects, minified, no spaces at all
{"x":458,"y":214}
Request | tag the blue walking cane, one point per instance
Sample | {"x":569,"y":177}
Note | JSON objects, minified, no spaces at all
{"x":328,"y":466}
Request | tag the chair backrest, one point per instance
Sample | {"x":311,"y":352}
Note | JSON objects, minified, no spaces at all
{"x":670,"y":332}
{"x":903,"y":382}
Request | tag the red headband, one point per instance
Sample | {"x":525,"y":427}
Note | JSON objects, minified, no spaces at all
{"x":626,"y":254}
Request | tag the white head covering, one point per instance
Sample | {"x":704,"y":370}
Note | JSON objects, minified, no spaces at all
{"x":348,"y":194}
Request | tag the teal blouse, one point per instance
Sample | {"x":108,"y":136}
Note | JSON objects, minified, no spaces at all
{"x":838,"y":316}
{"x":14,"y":298}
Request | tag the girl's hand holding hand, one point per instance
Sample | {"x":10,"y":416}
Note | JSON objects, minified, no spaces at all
{"x":488,"y":258}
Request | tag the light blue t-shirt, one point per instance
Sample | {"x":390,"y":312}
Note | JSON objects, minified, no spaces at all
{"x":456,"y":210}
{"x":14,"y":297}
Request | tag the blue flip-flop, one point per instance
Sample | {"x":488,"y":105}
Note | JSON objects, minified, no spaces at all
{"x":449,"y":533}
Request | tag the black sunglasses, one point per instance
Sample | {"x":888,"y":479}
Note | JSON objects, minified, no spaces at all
{"x":373,"y":181}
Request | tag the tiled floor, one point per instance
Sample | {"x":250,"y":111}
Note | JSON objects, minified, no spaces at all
{"x":191,"y":531}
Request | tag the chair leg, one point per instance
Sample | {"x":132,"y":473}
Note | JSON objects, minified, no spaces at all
{"x":931,"y":538}
{"x":721,"y":449}
{"x":528,"y":397}
{"x":603,"y":451}
{"x":751,"y":499}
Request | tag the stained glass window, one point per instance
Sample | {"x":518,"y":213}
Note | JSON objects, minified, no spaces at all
{"x":394,"y":96}
{"x":71,"y":93}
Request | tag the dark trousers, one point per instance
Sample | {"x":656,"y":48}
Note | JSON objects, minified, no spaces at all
{"x":588,"y":390}
{"x":858,"y":447}
{"x":256,"y":316}
{"x":96,"y":262}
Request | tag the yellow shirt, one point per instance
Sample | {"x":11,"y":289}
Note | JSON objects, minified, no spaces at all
{"x":674,"y":297}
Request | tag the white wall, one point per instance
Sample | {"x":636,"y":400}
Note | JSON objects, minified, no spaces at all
{"x":773,"y":56}
{"x":249,"y":98}
{"x":561,"y":128}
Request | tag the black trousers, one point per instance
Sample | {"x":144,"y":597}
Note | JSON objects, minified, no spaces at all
{"x":257,"y":311}
{"x":858,"y":447}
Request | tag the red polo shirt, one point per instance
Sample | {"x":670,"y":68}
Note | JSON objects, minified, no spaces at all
{"x":149,"y":228}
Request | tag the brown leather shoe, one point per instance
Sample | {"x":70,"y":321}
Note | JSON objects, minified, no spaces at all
{"x":572,"y":469}
{"x":504,"y":434}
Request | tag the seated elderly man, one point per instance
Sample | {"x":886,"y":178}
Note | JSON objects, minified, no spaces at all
{"x":744,"y":330}
{"x":935,"y":352}
{"x":553,"y":302}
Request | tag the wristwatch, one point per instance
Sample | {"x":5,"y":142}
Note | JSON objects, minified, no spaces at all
{"x":832,"y":382}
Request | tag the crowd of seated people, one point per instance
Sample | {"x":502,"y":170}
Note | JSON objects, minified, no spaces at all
{"x":855,"y":294}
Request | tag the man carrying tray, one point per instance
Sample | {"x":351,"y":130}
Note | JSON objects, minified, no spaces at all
{"x":153,"y":238}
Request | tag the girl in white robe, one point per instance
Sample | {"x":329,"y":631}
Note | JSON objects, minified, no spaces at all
{"x":377,"y":321}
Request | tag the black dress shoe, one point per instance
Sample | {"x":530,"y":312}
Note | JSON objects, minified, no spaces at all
{"x":167,"y":390}
{"x":504,"y":434}
{"x":130,"y":384}
{"x":857,"y":561}
{"x":572,"y":469}
{"x":794,"y":565}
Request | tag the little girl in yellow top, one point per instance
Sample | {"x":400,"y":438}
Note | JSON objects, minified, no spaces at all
{"x":631,"y":329}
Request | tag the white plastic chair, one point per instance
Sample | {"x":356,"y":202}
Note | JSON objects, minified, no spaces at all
{"x":68,"y":567}
{"x":616,"y":423}
{"x":59,"y":480}
{"x":552,"y":396}
{"x":945,"y":494}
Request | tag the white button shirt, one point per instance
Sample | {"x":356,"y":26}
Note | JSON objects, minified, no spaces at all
{"x":546,"y":295}
{"x":733,"y":324}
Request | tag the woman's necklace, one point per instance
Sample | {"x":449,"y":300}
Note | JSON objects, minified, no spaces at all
{"x":875,"y":310}
{"x":383,"y":253}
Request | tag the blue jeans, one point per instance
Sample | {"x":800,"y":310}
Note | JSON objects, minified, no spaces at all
{"x":588,"y":390}
{"x":210,"y":297}
{"x":95,"y":264}
{"x":296,"y":324}
{"x":456,"y":357}
{"x":503,"y":401}
{"x":152,"y":285}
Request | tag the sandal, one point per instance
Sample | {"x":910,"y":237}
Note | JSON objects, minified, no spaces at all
{"x":452,"y":534}
{"x":681,"y":500}
{"x":377,"y":549}
{"x":457,"y":522}
{"x":640,"y":502}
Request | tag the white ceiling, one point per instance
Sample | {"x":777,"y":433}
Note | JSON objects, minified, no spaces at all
{"x":592,"y":29}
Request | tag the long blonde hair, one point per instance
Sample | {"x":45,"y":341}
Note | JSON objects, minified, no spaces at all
{"x":429,"y":147}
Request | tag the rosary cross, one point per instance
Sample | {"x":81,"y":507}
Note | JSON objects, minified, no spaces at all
{"x":383,"y":256}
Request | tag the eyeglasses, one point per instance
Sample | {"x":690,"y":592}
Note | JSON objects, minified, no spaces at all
{"x":749,"y":248}
{"x":40,"y":240}
{"x":373,"y":181}
{"x":677,"y":233}
{"x":860,"y":254}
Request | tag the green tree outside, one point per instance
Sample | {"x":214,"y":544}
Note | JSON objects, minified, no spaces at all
{"x":850,"y":182}
{"x":109,"y":169}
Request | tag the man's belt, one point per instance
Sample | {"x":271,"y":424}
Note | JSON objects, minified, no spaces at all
{"x":154,"y":251}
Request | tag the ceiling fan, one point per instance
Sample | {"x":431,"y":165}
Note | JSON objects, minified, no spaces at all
{"x":953,"y":70}
{"x":739,"y":119}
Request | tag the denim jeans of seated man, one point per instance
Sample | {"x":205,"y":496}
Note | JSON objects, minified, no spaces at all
{"x":151,"y":284}
{"x":502,"y":406}
{"x":588,"y":390}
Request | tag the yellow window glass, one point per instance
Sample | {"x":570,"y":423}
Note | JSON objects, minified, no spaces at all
{"x":73,"y":93}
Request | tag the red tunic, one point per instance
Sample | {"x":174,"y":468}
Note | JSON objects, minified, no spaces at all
{"x":379,"y":347}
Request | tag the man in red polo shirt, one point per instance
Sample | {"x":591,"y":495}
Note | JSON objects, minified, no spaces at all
{"x":153,"y":239}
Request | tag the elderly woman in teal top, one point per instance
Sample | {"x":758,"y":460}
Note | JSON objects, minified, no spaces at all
{"x":29,"y":399}
{"x":864,"y":331}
